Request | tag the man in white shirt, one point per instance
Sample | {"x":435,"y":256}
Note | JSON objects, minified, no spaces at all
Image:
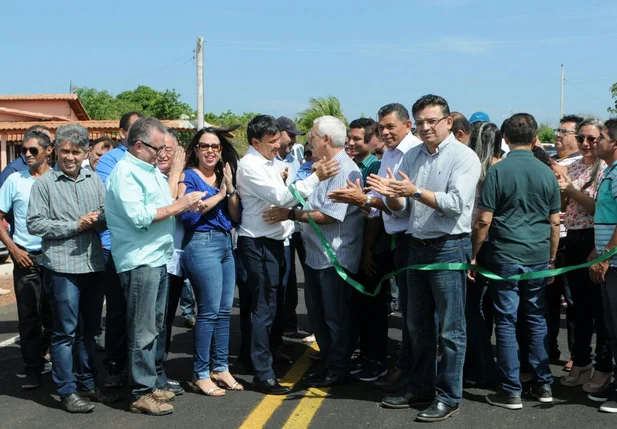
{"x":260,"y":245}
{"x":395,"y":129}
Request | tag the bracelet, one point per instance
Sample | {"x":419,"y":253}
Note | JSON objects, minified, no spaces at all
{"x":231,"y":194}
{"x":551,"y":262}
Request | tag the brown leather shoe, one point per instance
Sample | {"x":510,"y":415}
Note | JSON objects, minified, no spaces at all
{"x":395,"y":380}
{"x":163,"y":395}
{"x":151,"y":406}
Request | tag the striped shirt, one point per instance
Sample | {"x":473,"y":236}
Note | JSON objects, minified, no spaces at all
{"x":451,"y":173}
{"x":345,"y":234}
{"x":57,"y":202}
{"x":605,"y":217}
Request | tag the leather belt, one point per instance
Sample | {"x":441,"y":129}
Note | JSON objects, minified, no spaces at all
{"x":430,"y":241}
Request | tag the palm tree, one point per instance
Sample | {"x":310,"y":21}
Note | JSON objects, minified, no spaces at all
{"x":320,"y":107}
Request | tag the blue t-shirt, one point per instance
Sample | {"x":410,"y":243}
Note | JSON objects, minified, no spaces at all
{"x":217,"y":218}
{"x":106,"y":164}
{"x":15,"y":195}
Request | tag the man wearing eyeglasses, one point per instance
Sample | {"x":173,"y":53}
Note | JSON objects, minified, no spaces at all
{"x":140,"y":211}
{"x":605,"y":273}
{"x":567,"y":153}
{"x":115,"y":319}
{"x":33,"y":310}
{"x":435,"y":194}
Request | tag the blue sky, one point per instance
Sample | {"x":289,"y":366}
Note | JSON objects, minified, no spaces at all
{"x":272,"y":56}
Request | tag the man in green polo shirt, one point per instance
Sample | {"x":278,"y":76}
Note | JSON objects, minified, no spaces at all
{"x":519,"y":209}
{"x":605,"y":273}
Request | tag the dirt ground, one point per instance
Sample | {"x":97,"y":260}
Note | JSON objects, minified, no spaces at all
{"x":6,"y":282}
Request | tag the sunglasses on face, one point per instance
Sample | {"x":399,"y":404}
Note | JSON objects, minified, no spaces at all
{"x":34,"y":151}
{"x":590,"y":139}
{"x":214,"y":147}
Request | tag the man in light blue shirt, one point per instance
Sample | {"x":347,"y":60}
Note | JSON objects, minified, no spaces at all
{"x":140,"y":211}
{"x":115,"y":319}
{"x":33,"y":309}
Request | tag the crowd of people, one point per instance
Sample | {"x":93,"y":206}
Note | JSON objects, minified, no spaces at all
{"x":148,"y":224}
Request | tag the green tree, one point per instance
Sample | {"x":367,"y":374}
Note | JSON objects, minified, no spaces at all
{"x":159,"y":104}
{"x":546,"y":133}
{"x":320,"y":107}
{"x":613,"y":110}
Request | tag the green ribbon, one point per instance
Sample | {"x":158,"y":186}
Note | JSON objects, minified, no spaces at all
{"x":436,"y":266}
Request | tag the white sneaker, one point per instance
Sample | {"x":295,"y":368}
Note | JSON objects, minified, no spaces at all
{"x":598,"y":382}
{"x":578,"y":376}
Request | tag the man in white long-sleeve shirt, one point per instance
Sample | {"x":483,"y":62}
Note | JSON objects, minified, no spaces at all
{"x":260,"y":245}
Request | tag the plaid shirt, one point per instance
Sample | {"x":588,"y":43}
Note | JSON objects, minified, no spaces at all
{"x":57,"y":202}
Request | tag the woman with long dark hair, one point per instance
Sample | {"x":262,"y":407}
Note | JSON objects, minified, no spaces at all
{"x":479,"y":370}
{"x":208,"y":254}
{"x":578,"y":190}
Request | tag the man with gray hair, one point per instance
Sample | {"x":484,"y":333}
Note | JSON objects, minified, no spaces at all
{"x":327,"y":294}
{"x":140,"y":216}
{"x":66,"y":211}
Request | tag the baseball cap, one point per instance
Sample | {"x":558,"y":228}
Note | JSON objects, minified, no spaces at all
{"x":286,"y":124}
{"x":479,"y":117}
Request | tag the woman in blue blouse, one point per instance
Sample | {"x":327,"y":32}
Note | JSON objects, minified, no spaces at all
{"x":208,"y":257}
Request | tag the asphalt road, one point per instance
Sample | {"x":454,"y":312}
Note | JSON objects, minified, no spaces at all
{"x":352,"y":406}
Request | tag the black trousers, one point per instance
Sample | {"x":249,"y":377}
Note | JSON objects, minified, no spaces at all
{"x":34,"y":314}
{"x":115,"y":319}
{"x":370,"y":313}
{"x":553,"y":305}
{"x":291,"y":288}
{"x":587,"y":298}
{"x":175,"y":291}
{"x":264,"y":262}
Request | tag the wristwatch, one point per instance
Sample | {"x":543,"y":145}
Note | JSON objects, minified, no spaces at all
{"x":291,"y":215}
{"x":232,"y":193}
{"x":367,"y":203}
{"x":417,"y":195}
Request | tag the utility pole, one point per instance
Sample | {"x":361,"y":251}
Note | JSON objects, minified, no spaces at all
{"x":200,"y":83}
{"x":71,"y":87}
{"x":561,"y":105}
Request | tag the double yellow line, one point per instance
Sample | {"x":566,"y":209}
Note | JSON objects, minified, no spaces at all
{"x":306,"y":408}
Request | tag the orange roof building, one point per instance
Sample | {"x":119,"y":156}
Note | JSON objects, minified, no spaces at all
{"x":19,"y":112}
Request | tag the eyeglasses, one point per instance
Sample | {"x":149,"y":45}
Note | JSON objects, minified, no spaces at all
{"x":214,"y":147}
{"x":432,"y":123}
{"x":34,"y":151}
{"x":590,"y":139}
{"x":563,"y":131}
{"x":157,"y":149}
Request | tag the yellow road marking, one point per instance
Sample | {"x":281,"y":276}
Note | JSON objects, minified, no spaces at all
{"x":306,"y":409}
{"x":268,"y":405}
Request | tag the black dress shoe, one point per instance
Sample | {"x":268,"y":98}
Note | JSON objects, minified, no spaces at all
{"x":95,"y":395}
{"x":173,"y":386}
{"x":436,"y":412}
{"x":396,"y":379}
{"x":76,"y":404}
{"x":406,"y":400}
{"x":270,"y":387}
{"x":320,"y":373}
{"x":330,"y":380}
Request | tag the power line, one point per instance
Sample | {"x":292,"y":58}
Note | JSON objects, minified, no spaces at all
{"x":585,"y":92}
{"x":164,"y":66}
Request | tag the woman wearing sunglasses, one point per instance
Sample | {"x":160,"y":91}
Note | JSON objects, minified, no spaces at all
{"x":578,"y":190}
{"x":208,"y":257}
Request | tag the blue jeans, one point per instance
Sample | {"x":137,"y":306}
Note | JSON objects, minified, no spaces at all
{"x":77,"y":302}
{"x":209,"y":263}
{"x":437,"y":296}
{"x":145,"y":289}
{"x":530,"y":295}
{"x":327,"y":302}
{"x":187,"y":301}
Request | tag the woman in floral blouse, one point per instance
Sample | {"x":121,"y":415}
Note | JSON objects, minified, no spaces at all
{"x":578,"y":190}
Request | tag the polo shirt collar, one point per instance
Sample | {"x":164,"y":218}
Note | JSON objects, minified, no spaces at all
{"x":139,"y":163}
{"x":441,"y":147}
{"x":520,"y":152}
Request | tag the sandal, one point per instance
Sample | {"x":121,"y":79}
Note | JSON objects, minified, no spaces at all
{"x":214,"y":391}
{"x":236,"y":387}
